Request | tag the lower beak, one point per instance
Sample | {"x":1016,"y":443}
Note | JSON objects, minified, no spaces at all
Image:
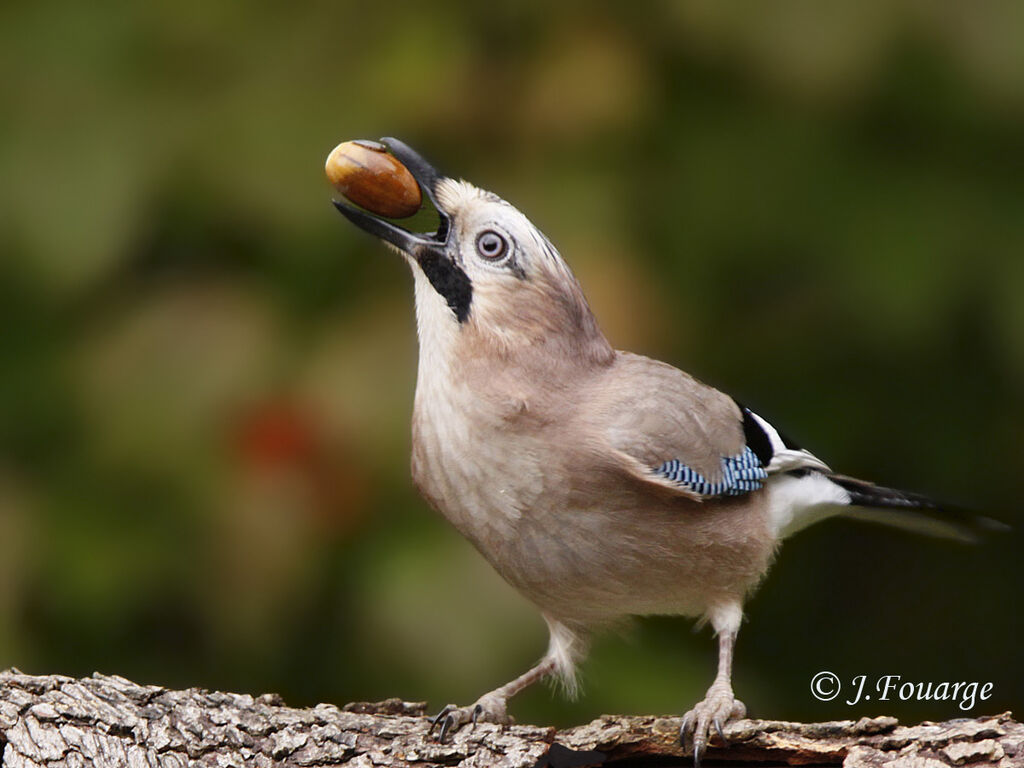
{"x":415,"y":244}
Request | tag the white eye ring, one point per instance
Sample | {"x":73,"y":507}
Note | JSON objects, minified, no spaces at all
{"x":491,"y":245}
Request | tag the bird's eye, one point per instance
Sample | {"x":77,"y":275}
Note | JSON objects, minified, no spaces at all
{"x":490,"y":245}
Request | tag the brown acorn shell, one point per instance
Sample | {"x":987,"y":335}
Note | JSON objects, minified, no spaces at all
{"x":368,"y":176}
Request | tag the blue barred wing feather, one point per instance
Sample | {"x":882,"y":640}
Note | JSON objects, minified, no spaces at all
{"x":740,"y":474}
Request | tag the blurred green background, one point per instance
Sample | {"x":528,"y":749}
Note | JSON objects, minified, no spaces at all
{"x":207,"y":375}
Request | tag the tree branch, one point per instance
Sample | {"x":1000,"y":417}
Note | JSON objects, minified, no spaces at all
{"x":109,"y":721}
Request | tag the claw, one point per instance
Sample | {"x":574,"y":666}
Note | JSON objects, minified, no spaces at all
{"x":716,"y":711}
{"x":721,"y":735}
{"x":489,"y":709}
{"x":683,"y":728}
{"x":446,"y":726}
{"x":438,"y":717}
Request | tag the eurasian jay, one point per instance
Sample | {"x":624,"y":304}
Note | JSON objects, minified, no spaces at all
{"x":599,"y":483}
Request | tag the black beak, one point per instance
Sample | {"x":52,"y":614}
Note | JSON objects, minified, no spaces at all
{"x":417,"y":245}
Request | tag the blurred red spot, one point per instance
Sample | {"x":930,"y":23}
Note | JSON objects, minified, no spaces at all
{"x":278,"y":443}
{"x":277,"y":434}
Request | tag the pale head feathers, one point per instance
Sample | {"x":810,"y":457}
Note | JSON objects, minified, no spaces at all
{"x":528,"y":298}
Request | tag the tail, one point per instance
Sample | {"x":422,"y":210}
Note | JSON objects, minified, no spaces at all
{"x":912,"y":511}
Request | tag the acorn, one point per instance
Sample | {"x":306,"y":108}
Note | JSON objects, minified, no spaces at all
{"x":368,"y":176}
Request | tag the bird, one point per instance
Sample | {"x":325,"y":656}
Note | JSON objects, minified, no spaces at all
{"x":600,"y":484}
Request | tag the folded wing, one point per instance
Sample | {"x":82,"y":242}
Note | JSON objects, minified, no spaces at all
{"x":674,"y":431}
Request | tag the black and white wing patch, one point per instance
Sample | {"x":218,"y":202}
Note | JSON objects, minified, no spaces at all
{"x":766,"y":452}
{"x":777,"y":452}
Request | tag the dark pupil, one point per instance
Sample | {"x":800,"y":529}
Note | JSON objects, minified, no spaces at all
{"x":491,"y":245}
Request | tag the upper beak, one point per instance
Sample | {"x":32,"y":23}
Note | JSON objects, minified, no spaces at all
{"x":412,"y":243}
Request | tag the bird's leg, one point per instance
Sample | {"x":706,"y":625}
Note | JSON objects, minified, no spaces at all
{"x":719,"y":705}
{"x":491,"y":707}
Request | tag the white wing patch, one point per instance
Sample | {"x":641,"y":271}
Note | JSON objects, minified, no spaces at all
{"x":785,"y":458}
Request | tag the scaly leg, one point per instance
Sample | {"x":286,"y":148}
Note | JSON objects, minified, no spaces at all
{"x":719,"y":705}
{"x":564,"y":648}
{"x":491,"y":707}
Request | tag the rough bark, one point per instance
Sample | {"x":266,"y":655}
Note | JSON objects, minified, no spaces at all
{"x":109,"y":721}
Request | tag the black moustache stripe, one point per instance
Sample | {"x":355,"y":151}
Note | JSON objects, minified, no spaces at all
{"x":448,"y":280}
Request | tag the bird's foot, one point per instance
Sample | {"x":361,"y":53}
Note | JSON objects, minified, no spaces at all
{"x":489,"y":708}
{"x":719,"y":707}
